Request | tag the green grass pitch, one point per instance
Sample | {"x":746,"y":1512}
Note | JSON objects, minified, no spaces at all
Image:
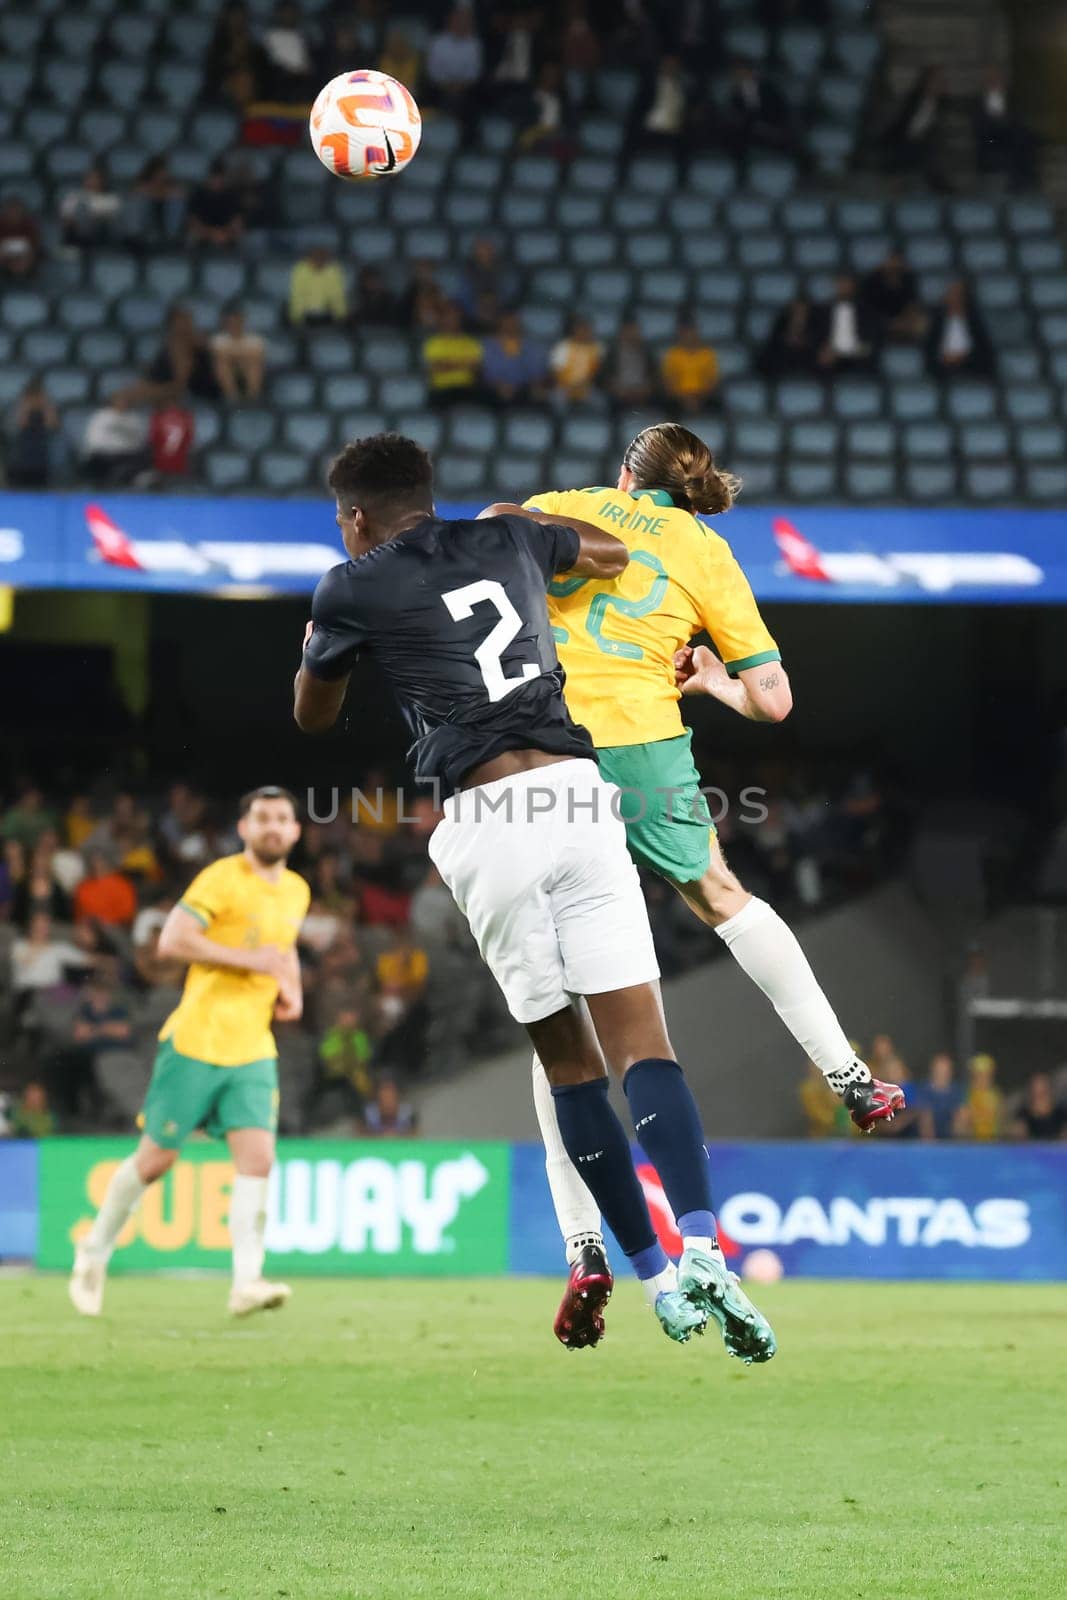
{"x":383,"y":1439}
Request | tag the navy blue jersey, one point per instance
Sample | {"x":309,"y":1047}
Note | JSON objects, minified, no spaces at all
{"x":456,"y":615}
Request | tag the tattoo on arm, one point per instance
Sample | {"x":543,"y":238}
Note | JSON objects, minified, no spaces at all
{"x":771,"y":681}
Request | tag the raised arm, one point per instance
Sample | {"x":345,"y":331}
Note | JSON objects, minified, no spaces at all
{"x":760,"y":694}
{"x":183,"y":939}
{"x":600,"y":554}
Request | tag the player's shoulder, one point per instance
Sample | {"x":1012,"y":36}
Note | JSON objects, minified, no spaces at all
{"x":297,"y":887}
{"x":221,"y":869}
{"x":557,"y":500}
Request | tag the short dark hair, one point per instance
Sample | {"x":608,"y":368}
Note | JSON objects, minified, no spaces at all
{"x":382,"y":470}
{"x":267,"y":791}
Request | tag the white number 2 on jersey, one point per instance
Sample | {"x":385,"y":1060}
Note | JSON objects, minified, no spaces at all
{"x":461,"y":604}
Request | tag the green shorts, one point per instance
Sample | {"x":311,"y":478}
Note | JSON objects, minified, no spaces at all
{"x":668,"y":824}
{"x":185,"y":1094}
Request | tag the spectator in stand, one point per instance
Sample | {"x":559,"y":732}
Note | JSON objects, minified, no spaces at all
{"x":939,"y":1100}
{"x":31,"y":454}
{"x":510,"y":80}
{"x":287,"y":56}
{"x":402,"y":968}
{"x":317,"y":293}
{"x":20,"y":239}
{"x":890,"y":293}
{"x":155,"y":206}
{"x":344,"y":1083}
{"x":757,"y":113}
{"x":579,"y":42}
{"x":1003,"y":145}
{"x":238,"y":356}
{"x":915,"y":137}
{"x":423,"y":301}
{"x":184,"y":830}
{"x":455,"y":62}
{"x":215,"y":216}
{"x":663,"y":116}
{"x":28,"y":818}
{"x":183,"y":366}
{"x":388,"y":1116}
{"x":101,"y":1023}
{"x":376,"y":305}
{"x":1039,"y":1115}
{"x":547,"y":108}
{"x":630,"y":375}
{"x":846,"y":335}
{"x":171,"y":432}
{"x":38,"y":890}
{"x":105,"y":895}
{"x":234,"y":65}
{"x":958,"y":343}
{"x":453,"y":361}
{"x":982,"y":1113}
{"x":824,"y":1113}
{"x":401,"y":60}
{"x":41,"y":961}
{"x":514,"y":369}
{"x":485,"y":278}
{"x":33,"y":1117}
{"x":576,"y":361}
{"x":115,"y":448}
{"x":792,"y":346}
{"x":89,"y":214}
{"x":690,"y":368}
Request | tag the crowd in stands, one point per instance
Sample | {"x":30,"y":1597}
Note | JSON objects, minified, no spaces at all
{"x":946,"y":1104}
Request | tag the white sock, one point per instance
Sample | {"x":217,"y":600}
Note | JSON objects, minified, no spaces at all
{"x":765,"y":948}
{"x":578,"y":1242}
{"x":704,"y":1243}
{"x":577,"y":1212}
{"x":248,"y":1224}
{"x":664,"y":1282}
{"x":123,"y":1196}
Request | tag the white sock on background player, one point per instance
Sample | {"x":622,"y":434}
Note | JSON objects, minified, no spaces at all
{"x":768,"y":951}
{"x":577,"y":1212}
{"x":124,"y":1195}
{"x":248,"y":1226}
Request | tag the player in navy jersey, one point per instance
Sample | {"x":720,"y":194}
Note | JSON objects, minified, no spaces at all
{"x":531,"y":844}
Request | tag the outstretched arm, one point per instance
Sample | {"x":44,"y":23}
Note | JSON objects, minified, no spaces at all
{"x":183,"y":939}
{"x":761,"y":694}
{"x":600,"y":554}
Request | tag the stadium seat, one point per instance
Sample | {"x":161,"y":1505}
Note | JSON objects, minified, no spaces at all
{"x":425,"y":427}
{"x":590,"y":249}
{"x":227,"y":469}
{"x":853,"y":398}
{"x":712,"y":176}
{"x":218,"y":132}
{"x":45,"y":348}
{"x":762,"y":479}
{"x":82,"y":309}
{"x":866,"y":251}
{"x":153,"y":132}
{"x":496,"y":134}
{"x":970,"y":402}
{"x":580,"y":211}
{"x":703,"y":249}
{"x":927,"y":441}
{"x":594,"y":173}
{"x":930,"y":252}
{"x":875,"y":440}
{"x":476,"y":172}
{"x":798,"y":398}
{"x":402,"y":392}
{"x":544,"y":322}
{"x":536,"y":173}
{"x":814,"y":440}
{"x":1031,"y":402}
{"x":23,"y":308}
{"x":979,"y":441}
{"x":761,"y":250}
{"x":66,"y":81}
{"x":718,"y":287}
{"x":1029,"y":216}
{"x":914,"y":402}
{"x":990,"y":480}
{"x":295,"y":391}
{"x":531,"y":432}
{"x":1020,"y":365}
{"x":811,"y":480}
{"x":973,"y":216}
{"x":207,"y":426}
{"x":1042,"y":442}
{"x":525,"y":210}
{"x":748,"y":397}
{"x":921,"y":215}
{"x":930,"y":481}
{"x":168,"y":277}
{"x":982,"y":254}
{"x":870,"y":480}
{"x":113,"y":275}
{"x":141,"y":312}
{"x":43,"y":126}
{"x":902,"y":362}
{"x":250,"y":430}
{"x":758,"y":438}
{"x":411,"y":207}
{"x":1047,"y":484}
{"x":284,"y":471}
{"x":557,"y":285}
{"x":817,"y":252}
{"x":997,"y":291}
{"x":20,"y":33}
{"x":67,"y":386}
{"x":133,"y":36}
{"x":644,"y":250}
{"x":123,"y":82}
{"x":16,"y":160}
{"x":608,"y":287}
{"x":662,"y":287}
{"x":1049,"y":294}
{"x":616,"y":88}
{"x":771,"y":177}
{"x":101,"y":351}
{"x":307,"y":431}
{"x":460,"y":475}
{"x":473,"y":428}
{"x":1040,"y":255}
{"x":327,"y":353}
{"x":223,"y":279}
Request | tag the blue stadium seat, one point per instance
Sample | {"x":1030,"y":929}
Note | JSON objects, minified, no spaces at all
{"x":840,"y":97}
{"x":692,"y":216}
{"x":536,"y":173}
{"x":402,"y":392}
{"x":345,"y":391}
{"x":584,"y":211}
{"x":411,"y":207}
{"x":544,"y":323}
{"x":23,"y":308}
{"x":428,"y":244}
{"x":711,"y":175}
{"x":597,"y":174}
{"x":178,"y":83}
{"x":440,"y":137}
{"x":66,"y":81}
{"x":168,"y":277}
{"x":1049,"y":294}
{"x":921,"y":215}
{"x":817,"y":252}
{"x":762,"y":479}
{"x":141,"y":312}
{"x":871,"y":439}
{"x":558,"y":285}
{"x":45,"y":348}
{"x":82,"y":309}
{"x":773,"y":289}
{"x":804,"y":214}
{"x":997,"y":291}
{"x":1040,"y":255}
{"x":12,"y":382}
{"x":970,"y":402}
{"x":524,"y":475}
{"x":1010,"y":327}
{"x":1030,"y":216}
{"x":590,"y":249}
{"x":832,"y":147}
{"x":748,"y":397}
{"x":801,"y":49}
{"x":930,"y":481}
{"x":719,"y":288}
{"x":703,"y":249}
{"x":733,"y":360}
{"x":460,"y":210}
{"x":16,"y":160}
{"x":68,"y":386}
{"x":857,"y":49}
{"x":1020,"y":365}
{"x":15,"y":83}
{"x":657,"y":323}
{"x":902,"y":362}
{"x":990,"y":480}
{"x":476,"y":172}
{"x":771,"y":176}
{"x":188,"y":36}
{"x":207,"y":425}
{"x":973,"y":216}
{"x":133,"y":35}
{"x":978,"y":441}
{"x":587,"y":435}
{"x":762,"y":437}
{"x":717,"y":323}
{"x":649,"y":249}
{"x":385,"y":353}
{"x":930,"y":252}
{"x":20,"y":33}
{"x":814,"y":440}
{"x":748,"y":39}
{"x":327,"y":353}
{"x":750,"y":215}
{"x":42,"y":126}
{"x":799,"y":398}
{"x":758,"y":250}
{"x":460,"y":476}
{"x":527,"y":210}
{"x":1054,"y":332}
{"x":608,"y":286}
{"x":102,"y":349}
{"x":296,"y":391}
{"x":984,"y":253}
{"x":250,"y":430}
{"x":113,"y":275}
{"x":358,"y":424}
{"x":1042,"y":442}
{"x":616,"y":88}
{"x":123,"y":82}
{"x":308,"y":431}
{"x":914,"y":402}
{"x":1047,"y":484}
{"x":531,"y":432}
{"x":153,"y":131}
{"x":218,"y":132}
{"x":811,"y":480}
{"x":262,"y":315}
{"x":1030,"y":402}
{"x":870,"y":480}
{"x":425,"y":427}
{"x":662,"y":287}
{"x":474,"y":428}
{"x":861,"y":216}
{"x":496,"y":134}
{"x":223,"y":277}
{"x":602,"y":135}
{"x":867,"y":250}
{"x":227,"y":469}
{"x":855,"y":398}
{"x":282,"y":472}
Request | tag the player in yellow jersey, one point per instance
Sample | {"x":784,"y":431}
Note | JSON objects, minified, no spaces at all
{"x":625,"y":645}
{"x":216,"y":1067}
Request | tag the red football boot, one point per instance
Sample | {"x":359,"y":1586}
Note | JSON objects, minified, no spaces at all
{"x":873,"y":1102}
{"x":580,"y":1319}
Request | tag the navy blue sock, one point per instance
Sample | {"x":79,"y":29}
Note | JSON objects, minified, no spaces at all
{"x":596,"y":1142}
{"x":669,"y":1131}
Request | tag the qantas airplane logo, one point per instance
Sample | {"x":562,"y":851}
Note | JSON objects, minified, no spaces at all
{"x":935,"y":572}
{"x":229,"y":562}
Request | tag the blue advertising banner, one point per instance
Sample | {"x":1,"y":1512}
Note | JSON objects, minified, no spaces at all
{"x":846,"y":1210}
{"x":18,"y":1200}
{"x":892,"y":555}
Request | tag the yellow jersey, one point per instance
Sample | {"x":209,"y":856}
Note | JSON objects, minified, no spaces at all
{"x":224,"y":1015}
{"x":617,"y":637}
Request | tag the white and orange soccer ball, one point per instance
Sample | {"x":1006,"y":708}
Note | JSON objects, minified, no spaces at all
{"x":365,"y":125}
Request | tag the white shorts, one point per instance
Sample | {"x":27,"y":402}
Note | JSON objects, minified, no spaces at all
{"x":538,"y":865}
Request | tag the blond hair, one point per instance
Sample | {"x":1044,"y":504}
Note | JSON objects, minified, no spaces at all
{"x":671,"y":457}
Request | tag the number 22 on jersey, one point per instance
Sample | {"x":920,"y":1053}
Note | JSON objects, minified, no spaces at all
{"x":606,"y":600}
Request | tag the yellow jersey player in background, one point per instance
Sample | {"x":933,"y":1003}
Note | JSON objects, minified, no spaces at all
{"x":217,"y":1063}
{"x":625,"y":644}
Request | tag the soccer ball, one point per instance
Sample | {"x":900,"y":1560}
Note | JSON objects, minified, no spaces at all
{"x":365,"y":125}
